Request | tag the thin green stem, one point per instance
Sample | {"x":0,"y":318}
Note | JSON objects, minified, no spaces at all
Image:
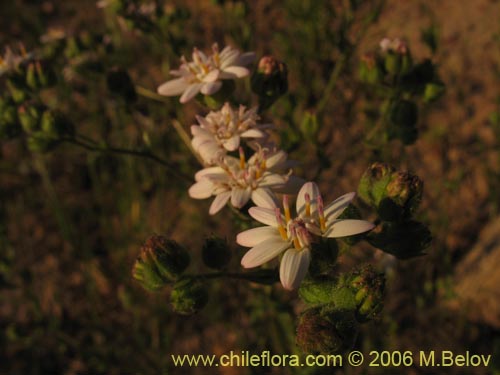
{"x":143,"y":154}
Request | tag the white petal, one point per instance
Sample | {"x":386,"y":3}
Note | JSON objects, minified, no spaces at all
{"x":343,"y":228}
{"x":263,"y":197}
{"x":202,"y":189}
{"x":240,"y":197}
{"x":209,"y":171}
{"x":253,"y":237}
{"x":272,"y":179}
{"x":312,"y":189}
{"x":264,"y":215}
{"x":212,"y":76}
{"x":253,"y":133}
{"x":236,"y":71}
{"x":232,"y":143}
{"x":191,"y":91}
{"x":211,"y":87}
{"x":276,"y":159}
{"x":173,"y":87}
{"x":228,"y":57}
{"x":335,"y":209}
{"x":219,"y":202}
{"x":293,"y":267}
{"x":198,"y":131}
{"x":246,"y":58}
{"x":264,"y":252}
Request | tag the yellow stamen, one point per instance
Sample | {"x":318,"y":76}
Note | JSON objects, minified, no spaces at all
{"x":282,"y":231}
{"x":322,"y":223}
{"x":286,"y":206}
{"x":296,"y":243}
{"x":242,"y":158}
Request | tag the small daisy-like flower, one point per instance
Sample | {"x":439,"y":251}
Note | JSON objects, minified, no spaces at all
{"x":293,"y":237}
{"x":204,"y":73}
{"x":222,"y":130}
{"x":240,"y":180}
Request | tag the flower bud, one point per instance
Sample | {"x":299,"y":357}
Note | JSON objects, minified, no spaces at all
{"x":160,"y":261}
{"x":372,"y":185}
{"x":317,"y":291}
{"x":404,"y":194}
{"x":17,"y":88}
{"x":38,"y":141}
{"x":369,"y":287}
{"x":120,"y":84}
{"x":269,"y":81}
{"x":29,"y":117}
{"x":216,"y":253}
{"x":433,"y":91}
{"x":326,"y":330}
{"x":309,"y":126}
{"x":404,"y":240}
{"x":370,"y":70}
{"x":188,"y":296}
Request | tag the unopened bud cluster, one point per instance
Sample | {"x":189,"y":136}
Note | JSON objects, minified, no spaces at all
{"x":395,"y":196}
{"x":401,"y":83}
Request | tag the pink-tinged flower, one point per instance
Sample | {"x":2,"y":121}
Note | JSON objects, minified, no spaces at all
{"x":239,"y":180}
{"x":394,"y":45}
{"x":293,"y":236}
{"x":10,"y":61}
{"x":221,"y":131}
{"x":204,"y":73}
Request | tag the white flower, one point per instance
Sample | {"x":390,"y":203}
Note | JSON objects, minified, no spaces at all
{"x":222,"y":130}
{"x":241,"y":180}
{"x":293,"y":236}
{"x":204,"y":73}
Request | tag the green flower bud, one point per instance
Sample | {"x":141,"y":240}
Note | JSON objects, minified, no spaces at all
{"x":188,"y":297}
{"x":38,"y":141}
{"x":160,"y":261}
{"x":395,"y":195}
{"x":269,"y":81}
{"x":44,"y":74}
{"x":120,"y":84}
{"x":326,"y":330}
{"x":404,"y":240}
{"x":17,"y":88}
{"x":404,"y":194}
{"x":433,"y":91}
{"x":369,"y":288}
{"x":29,"y":117}
{"x":370,"y":70}
{"x":31,"y":78}
{"x":317,"y":292}
{"x":392,"y":63}
{"x":216,"y":253}
{"x":373,"y":183}
{"x":309,"y":126}
{"x":56,"y":125}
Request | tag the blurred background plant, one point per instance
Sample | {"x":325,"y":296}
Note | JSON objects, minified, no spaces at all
{"x":92,"y":164}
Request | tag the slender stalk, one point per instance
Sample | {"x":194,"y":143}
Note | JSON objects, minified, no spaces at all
{"x":144,"y":154}
{"x":176,"y":124}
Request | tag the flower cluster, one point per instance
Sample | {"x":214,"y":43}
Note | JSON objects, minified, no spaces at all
{"x":223,"y":139}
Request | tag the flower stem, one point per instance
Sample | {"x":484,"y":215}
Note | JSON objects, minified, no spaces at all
{"x":143,"y":154}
